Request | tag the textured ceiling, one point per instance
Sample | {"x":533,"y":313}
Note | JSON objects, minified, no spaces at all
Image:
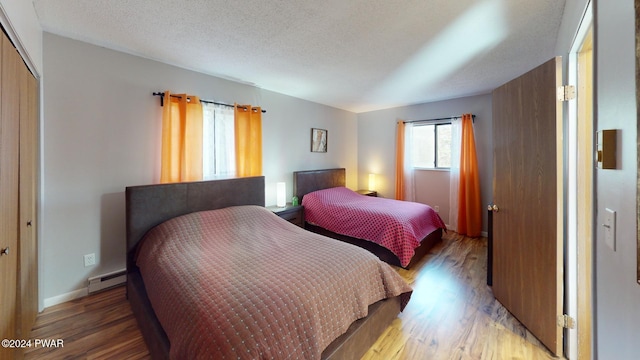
{"x":357,"y":55}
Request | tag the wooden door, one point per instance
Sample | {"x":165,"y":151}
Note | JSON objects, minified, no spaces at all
{"x":9,"y":158}
{"x":18,"y":197}
{"x":27,"y":308}
{"x":527,"y":188}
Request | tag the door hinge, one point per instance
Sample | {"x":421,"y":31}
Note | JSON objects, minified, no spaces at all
{"x":566,"y":321}
{"x":566,"y":93}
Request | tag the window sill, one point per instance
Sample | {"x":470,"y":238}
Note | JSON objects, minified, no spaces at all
{"x":432,"y":169}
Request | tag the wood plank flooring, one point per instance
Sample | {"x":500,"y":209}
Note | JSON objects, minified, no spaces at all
{"x":452,"y":315}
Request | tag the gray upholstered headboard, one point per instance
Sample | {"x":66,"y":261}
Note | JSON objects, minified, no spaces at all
{"x":307,"y":181}
{"x":150,"y":205}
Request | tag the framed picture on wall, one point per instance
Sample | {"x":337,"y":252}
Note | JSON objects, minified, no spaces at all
{"x":318,"y":140}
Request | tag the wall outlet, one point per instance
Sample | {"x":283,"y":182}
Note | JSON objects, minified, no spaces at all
{"x":89,"y":259}
{"x":436,"y":208}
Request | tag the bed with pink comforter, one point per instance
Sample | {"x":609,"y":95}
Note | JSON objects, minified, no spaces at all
{"x":241,"y":283}
{"x":396,"y":225}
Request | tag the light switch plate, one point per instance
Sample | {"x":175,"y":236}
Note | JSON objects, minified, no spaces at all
{"x":610,"y":228}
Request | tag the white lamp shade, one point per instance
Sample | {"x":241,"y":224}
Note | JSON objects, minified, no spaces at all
{"x":372,"y":182}
{"x":281,"y":197}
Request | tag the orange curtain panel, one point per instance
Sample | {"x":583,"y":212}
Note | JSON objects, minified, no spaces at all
{"x":181,"y":138}
{"x":248,"y":139}
{"x":400,"y":161}
{"x":469,"y":206}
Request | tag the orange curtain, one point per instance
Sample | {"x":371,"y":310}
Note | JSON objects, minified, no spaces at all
{"x":469,"y":206}
{"x":181,"y":138}
{"x":248,"y":139}
{"x":400,"y":161}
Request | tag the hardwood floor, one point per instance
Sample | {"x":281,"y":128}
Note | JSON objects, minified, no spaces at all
{"x":100,"y":326}
{"x":452,"y":315}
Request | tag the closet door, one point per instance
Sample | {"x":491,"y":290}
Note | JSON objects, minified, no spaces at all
{"x":19,"y":119}
{"x":27,"y":308}
{"x":9,"y":159}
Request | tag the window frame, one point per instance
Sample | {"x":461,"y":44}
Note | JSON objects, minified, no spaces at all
{"x":218,"y":128}
{"x":435,"y":125}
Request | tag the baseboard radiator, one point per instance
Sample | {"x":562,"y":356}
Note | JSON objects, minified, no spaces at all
{"x":108,"y":280}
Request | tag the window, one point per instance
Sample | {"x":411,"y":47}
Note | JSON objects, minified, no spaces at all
{"x":218,"y":144}
{"x":432,"y":146}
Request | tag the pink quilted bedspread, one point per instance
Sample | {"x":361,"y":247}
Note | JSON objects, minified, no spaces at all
{"x":242,"y":283}
{"x":397,"y":225}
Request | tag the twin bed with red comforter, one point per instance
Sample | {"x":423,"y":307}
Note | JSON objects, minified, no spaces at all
{"x":213,"y":274}
{"x":398,"y":232}
{"x":396,"y":225}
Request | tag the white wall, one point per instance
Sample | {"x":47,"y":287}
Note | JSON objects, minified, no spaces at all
{"x":430,"y":182}
{"x":617,"y":292}
{"x":377,"y":141}
{"x":102,"y":133}
{"x":573,"y":12}
{"x":19,"y":18}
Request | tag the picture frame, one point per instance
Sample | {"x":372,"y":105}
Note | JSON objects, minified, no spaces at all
{"x":319,"y":140}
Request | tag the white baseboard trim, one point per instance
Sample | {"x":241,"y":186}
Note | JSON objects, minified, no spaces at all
{"x":59,"y":299}
{"x":105,"y":281}
{"x":96,"y":283}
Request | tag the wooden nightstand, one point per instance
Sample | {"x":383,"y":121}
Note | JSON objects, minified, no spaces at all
{"x":368,"y":193}
{"x":293,"y":214}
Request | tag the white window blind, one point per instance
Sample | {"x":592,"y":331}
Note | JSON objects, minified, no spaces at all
{"x":219,"y":157}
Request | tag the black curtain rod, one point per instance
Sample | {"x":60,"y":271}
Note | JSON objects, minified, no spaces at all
{"x":473,"y":118}
{"x":161,"y":94}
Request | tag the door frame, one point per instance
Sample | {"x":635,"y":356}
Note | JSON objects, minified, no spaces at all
{"x":580,"y":199}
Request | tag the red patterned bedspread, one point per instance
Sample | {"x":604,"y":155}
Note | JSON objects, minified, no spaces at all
{"x":241,"y":283}
{"x":397,"y":225}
